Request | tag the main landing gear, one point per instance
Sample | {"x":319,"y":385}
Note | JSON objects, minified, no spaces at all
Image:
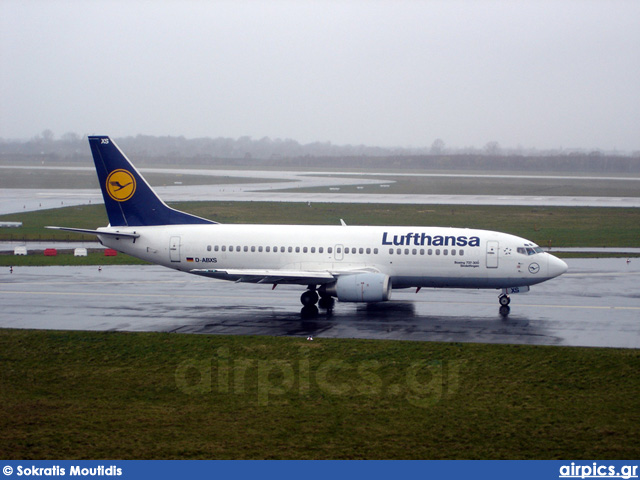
{"x":504,"y":304}
{"x":310,"y":298}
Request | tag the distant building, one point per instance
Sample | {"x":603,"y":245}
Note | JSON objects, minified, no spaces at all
{"x":10,"y":224}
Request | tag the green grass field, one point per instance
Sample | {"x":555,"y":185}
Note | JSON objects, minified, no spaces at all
{"x":75,"y":178}
{"x":562,"y":226}
{"x":153,"y":395}
{"x":485,"y":185}
{"x":39,"y":260}
{"x":82,"y":395}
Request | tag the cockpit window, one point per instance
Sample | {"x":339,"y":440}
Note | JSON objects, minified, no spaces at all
{"x":529,"y":250}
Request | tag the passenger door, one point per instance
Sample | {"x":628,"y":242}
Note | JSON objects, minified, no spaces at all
{"x":492,"y":254}
{"x":174,"y":249}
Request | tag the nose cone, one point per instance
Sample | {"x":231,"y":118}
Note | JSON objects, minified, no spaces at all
{"x":556,"y":267}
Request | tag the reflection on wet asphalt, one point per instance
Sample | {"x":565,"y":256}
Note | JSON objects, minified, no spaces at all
{"x":595,"y":304}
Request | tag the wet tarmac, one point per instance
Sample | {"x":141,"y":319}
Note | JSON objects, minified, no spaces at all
{"x":15,"y":200}
{"x":24,"y":200}
{"x":597,"y":303}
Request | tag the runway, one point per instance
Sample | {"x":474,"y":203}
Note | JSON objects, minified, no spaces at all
{"x":596,"y":303}
{"x":287,"y":185}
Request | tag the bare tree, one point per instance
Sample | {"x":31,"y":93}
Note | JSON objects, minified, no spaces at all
{"x":437,"y":147}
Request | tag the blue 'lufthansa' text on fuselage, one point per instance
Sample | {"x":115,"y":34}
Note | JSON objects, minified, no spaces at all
{"x":422,"y":239}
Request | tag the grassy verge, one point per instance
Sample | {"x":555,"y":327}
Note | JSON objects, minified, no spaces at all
{"x":38,"y":259}
{"x":76,"y":178}
{"x":558,"y":226}
{"x":150,"y":395}
{"x":483,"y":185}
{"x":594,"y":255}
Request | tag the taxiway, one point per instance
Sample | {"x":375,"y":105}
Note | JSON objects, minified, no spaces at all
{"x":596,"y":303}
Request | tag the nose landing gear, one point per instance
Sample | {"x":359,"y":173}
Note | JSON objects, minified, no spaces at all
{"x":504,"y":304}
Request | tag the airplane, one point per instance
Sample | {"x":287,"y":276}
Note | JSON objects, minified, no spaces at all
{"x":350,"y":263}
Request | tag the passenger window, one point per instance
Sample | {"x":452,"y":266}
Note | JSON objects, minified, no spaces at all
{"x":375,"y":251}
{"x":368,"y":251}
{"x":313,"y":249}
{"x":224,"y":248}
{"x":453,"y":252}
{"x":399,"y":251}
{"x":437,"y":251}
{"x":282,"y":249}
{"x":260,"y":249}
{"x":215,"y":249}
{"x":246,"y":249}
{"x":330,"y":250}
{"x":305,"y":250}
{"x":414,"y":252}
{"x":461,"y":253}
{"x":320,"y":250}
{"x":253,"y":249}
{"x":406,"y":251}
{"x":445,"y":252}
{"x":208,"y":248}
{"x":430,"y":251}
{"x":290,"y":249}
{"x":297,"y":249}
{"x":361,"y":251}
{"x":338,"y":250}
{"x":268,"y":249}
{"x":391,"y":251}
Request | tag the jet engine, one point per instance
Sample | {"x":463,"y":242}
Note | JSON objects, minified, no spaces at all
{"x":361,"y":287}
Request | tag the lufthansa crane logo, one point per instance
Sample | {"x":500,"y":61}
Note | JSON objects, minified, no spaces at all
{"x":534,"y":268}
{"x":121,"y":185}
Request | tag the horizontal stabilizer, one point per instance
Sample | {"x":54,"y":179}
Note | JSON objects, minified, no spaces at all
{"x":97,"y":232}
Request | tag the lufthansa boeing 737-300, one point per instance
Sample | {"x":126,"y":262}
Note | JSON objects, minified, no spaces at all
{"x":350,"y":263}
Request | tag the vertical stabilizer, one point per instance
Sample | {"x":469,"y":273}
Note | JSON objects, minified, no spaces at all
{"x":128,"y":198}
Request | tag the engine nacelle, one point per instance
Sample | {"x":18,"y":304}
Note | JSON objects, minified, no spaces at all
{"x":361,"y":287}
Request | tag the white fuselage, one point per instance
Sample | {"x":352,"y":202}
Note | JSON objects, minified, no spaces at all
{"x":410,"y":256}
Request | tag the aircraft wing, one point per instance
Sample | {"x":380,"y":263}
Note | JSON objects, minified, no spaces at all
{"x":298,"y":277}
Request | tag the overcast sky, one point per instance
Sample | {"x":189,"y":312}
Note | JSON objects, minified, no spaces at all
{"x":543,"y":74}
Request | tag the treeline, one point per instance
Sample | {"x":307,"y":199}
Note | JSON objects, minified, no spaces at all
{"x":266,"y":152}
